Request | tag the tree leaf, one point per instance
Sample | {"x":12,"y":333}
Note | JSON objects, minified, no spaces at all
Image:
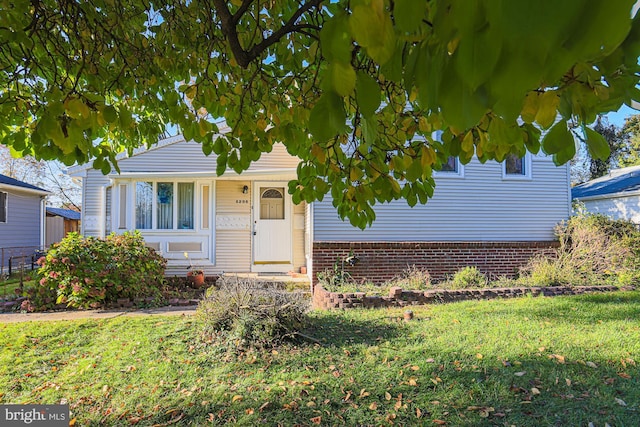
{"x":557,"y":138}
{"x":367,"y":94}
{"x":408,"y":14}
{"x":597,"y":144}
{"x":343,"y":78}
{"x":328,"y":117}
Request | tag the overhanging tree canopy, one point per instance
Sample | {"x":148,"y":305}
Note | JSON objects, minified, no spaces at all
{"x":354,"y":88}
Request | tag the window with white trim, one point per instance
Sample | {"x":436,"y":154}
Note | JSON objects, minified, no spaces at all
{"x":3,"y":206}
{"x":516,"y":167}
{"x":451,"y":168}
{"x":164,"y":205}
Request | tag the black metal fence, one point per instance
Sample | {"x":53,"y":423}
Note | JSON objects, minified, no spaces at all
{"x":18,"y":258}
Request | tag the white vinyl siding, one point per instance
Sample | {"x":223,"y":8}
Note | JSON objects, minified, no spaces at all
{"x":481,"y":207}
{"x":188,"y":157}
{"x":233,"y":233}
{"x":617,"y":208}
{"x":93,"y":203}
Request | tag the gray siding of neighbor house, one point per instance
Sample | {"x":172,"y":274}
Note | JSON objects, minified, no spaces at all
{"x":23,"y":226}
{"x":481,"y":206}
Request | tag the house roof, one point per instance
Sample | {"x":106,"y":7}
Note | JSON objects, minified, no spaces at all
{"x":7,"y":181}
{"x":64,"y":213}
{"x":618,"y":181}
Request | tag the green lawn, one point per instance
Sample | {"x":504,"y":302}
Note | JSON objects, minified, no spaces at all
{"x":564,"y":361}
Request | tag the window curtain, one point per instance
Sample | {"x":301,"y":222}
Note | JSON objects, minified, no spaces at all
{"x":185,"y":205}
{"x":165,"y":205}
{"x":144,"y":205}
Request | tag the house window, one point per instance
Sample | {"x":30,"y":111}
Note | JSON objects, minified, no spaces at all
{"x":451,"y":165}
{"x":272,"y":203}
{"x":451,"y":168}
{"x":3,"y":206}
{"x":164,"y":205}
{"x":515,"y":167}
{"x":144,"y":205}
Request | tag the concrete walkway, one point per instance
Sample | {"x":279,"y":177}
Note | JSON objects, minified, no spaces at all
{"x":95,"y":314}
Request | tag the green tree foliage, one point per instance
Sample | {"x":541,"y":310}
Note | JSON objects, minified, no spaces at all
{"x":354,"y":88}
{"x":587,"y":165}
{"x":632,"y":149}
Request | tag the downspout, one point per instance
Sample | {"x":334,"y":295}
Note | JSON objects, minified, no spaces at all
{"x":104,"y":213}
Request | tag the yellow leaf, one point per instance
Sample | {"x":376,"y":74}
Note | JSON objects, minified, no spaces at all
{"x":413,"y":382}
{"x":479,"y":356}
{"x":568,"y":381}
{"x":547,"y":110}
{"x":248,"y":411}
{"x":535,"y":391}
{"x":72,"y":422}
{"x":415,"y":368}
{"x":418,"y":413}
{"x":373,"y":406}
{"x":236,"y":398}
{"x":387,"y":396}
{"x":530,"y":107}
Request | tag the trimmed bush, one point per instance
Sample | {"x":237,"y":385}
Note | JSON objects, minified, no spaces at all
{"x":245,"y":312}
{"x":89,"y":272}
{"x":467,"y":277}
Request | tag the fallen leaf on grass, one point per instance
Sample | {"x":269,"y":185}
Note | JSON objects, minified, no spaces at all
{"x":316,"y":420}
{"x":430,"y":360}
{"x":236,"y":398}
{"x":439,"y":422}
{"x":621,"y":402}
{"x":263,"y":406}
{"x":624,"y":375}
{"x":418,"y":413}
{"x":535,"y":391}
{"x":387,"y":395}
{"x":568,"y":381}
{"x":519,"y":374}
{"x":559,"y":358}
{"x":592,"y":365}
{"x":373,"y":406}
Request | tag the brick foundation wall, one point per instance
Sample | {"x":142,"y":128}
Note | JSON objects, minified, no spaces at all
{"x":382,"y":261}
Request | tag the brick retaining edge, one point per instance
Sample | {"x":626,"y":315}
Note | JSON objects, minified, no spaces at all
{"x":398,"y":297}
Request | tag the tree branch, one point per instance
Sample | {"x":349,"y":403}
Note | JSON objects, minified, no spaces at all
{"x":228,"y":23}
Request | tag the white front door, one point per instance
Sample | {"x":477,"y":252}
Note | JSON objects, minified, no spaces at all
{"x":272,"y":245}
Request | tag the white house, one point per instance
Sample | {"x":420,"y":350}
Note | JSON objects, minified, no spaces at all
{"x":616,"y":195}
{"x":493,"y":215}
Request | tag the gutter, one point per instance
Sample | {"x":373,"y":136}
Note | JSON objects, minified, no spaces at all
{"x":609,"y":196}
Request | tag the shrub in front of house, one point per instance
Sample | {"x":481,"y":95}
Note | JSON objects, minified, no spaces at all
{"x":467,"y":277}
{"x":593,"y":250}
{"x":245,"y":312}
{"x":86,"y":272}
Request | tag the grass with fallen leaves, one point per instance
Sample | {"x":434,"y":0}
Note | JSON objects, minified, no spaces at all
{"x":565,"y":361}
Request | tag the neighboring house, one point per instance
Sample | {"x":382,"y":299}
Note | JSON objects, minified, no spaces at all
{"x":616,"y":195}
{"x":22,"y":226}
{"x":60,"y":222}
{"x":494,"y":215}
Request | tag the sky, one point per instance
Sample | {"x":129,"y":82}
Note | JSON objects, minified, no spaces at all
{"x":618,"y":117}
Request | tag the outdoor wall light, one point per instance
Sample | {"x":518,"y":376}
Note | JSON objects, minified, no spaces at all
{"x":245,"y":189}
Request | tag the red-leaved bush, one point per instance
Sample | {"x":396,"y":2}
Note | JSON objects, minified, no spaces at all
{"x":86,"y":272}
